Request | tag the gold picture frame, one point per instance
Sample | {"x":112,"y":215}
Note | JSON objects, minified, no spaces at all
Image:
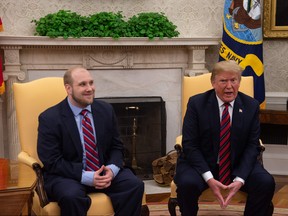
{"x":270,"y":29}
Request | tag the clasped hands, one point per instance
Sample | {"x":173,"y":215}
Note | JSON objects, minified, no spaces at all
{"x":103,"y":177}
{"x":218,"y":188}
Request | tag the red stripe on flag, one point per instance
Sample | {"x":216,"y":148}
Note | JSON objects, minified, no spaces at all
{"x":1,"y":26}
{"x":2,"y":84}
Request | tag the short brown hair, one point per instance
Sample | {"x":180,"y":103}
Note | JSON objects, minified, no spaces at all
{"x":67,"y":78}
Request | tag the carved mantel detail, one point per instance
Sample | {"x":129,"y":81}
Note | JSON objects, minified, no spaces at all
{"x":12,"y":62}
{"x":110,"y":58}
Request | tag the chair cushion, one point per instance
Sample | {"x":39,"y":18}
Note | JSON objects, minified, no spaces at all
{"x":101,"y":206}
{"x":173,"y":190}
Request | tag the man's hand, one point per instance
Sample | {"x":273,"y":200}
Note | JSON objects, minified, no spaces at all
{"x":103,"y":177}
{"x":219,"y":189}
{"x":216,"y":188}
{"x":233,"y":188}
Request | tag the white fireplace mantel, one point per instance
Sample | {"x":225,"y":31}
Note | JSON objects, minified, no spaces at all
{"x":91,"y":41}
{"x":164,"y":61}
{"x":187,"y":53}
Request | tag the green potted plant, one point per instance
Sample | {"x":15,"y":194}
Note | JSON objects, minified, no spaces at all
{"x":151,"y":25}
{"x":65,"y":23}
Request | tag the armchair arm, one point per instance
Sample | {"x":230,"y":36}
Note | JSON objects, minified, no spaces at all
{"x":178,"y":145}
{"x":40,"y":185}
{"x":261,"y":145}
{"x":262,"y":149}
{"x":25,"y":158}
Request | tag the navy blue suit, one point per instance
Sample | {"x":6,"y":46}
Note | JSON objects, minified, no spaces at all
{"x":60,"y":150}
{"x":201,"y":129}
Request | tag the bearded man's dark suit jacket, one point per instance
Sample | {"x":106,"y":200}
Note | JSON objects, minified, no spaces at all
{"x":200,"y":141}
{"x":60,"y":150}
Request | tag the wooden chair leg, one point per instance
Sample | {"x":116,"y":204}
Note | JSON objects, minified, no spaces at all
{"x":172,"y":203}
{"x":145,"y":210}
{"x":30,"y":203}
{"x":271,"y":209}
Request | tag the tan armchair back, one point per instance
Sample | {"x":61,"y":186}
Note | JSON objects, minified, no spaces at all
{"x":31,"y":99}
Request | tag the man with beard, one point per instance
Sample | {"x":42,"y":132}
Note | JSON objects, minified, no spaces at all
{"x":71,"y":169}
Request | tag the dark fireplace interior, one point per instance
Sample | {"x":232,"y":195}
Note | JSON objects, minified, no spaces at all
{"x":274,"y":134}
{"x":142,"y":125}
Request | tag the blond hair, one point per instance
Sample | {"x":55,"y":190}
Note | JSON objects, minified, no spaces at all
{"x":226,"y":66}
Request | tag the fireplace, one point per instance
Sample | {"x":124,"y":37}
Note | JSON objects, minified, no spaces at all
{"x":142,"y":125}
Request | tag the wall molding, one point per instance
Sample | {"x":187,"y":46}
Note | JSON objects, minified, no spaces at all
{"x":276,"y":100}
{"x":276,"y":156}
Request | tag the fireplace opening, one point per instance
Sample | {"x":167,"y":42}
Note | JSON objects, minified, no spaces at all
{"x":142,"y":126}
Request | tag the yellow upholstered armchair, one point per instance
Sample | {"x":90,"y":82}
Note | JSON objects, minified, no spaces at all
{"x":31,"y":99}
{"x":195,"y":85}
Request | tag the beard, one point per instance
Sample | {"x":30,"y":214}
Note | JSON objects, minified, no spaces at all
{"x":82,"y":101}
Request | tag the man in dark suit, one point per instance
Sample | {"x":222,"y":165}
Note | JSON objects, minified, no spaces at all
{"x":198,"y":166}
{"x":61,"y":148}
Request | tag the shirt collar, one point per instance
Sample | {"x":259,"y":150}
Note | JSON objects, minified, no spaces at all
{"x":220,"y":102}
{"x":76,"y":110}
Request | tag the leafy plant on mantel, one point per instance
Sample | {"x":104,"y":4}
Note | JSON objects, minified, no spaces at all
{"x":67,"y":24}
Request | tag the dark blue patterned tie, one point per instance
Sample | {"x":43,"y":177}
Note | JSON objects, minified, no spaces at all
{"x":92,"y":158}
{"x":224,"y":151}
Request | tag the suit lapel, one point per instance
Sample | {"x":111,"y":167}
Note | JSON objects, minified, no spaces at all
{"x":214,"y":122}
{"x":70,"y":124}
{"x":98,"y":123}
{"x":237,"y":118}
{"x":237,"y":124}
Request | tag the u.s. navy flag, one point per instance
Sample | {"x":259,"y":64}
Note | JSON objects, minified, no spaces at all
{"x":1,"y":26}
{"x":2,"y":84}
{"x":242,"y":41}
